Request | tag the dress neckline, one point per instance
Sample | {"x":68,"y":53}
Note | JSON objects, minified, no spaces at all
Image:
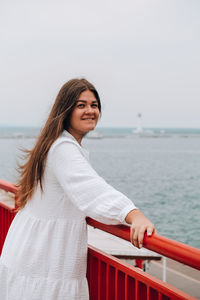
{"x":71,"y":137}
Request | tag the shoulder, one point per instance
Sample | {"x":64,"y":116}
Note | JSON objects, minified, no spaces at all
{"x":64,"y":138}
{"x":66,"y":145}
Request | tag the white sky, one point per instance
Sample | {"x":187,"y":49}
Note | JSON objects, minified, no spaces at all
{"x":142,"y":55}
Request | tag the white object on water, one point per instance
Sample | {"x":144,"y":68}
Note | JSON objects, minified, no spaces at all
{"x":139,"y":124}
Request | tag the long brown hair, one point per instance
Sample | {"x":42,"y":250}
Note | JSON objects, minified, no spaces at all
{"x":31,"y":173}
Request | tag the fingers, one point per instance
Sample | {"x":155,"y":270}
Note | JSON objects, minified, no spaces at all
{"x":141,"y":236}
{"x":137,"y":234}
{"x":135,"y":237}
{"x":131,"y":234}
{"x":150,"y":230}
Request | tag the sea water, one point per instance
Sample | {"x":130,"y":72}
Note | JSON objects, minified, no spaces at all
{"x":159,"y":171}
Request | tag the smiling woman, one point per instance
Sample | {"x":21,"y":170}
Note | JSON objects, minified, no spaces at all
{"x":84,"y":116}
{"x":45,"y":251}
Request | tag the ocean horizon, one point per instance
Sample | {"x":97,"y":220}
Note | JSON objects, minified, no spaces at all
{"x":33,"y":131}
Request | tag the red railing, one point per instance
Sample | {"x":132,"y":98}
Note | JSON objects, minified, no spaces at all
{"x":7,"y":213}
{"x":175,"y":250}
{"x":8,"y":186}
{"x":110,"y":278}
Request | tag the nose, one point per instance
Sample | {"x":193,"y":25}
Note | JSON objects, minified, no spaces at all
{"x":89,"y":109}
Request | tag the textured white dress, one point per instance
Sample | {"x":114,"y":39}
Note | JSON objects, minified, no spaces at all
{"x":45,"y":252}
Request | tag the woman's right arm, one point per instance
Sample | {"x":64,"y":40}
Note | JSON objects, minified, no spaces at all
{"x":88,"y":191}
{"x":91,"y":194}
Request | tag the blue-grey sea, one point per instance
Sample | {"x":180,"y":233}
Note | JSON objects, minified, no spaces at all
{"x":159,"y":170}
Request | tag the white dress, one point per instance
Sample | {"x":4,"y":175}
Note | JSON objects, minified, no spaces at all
{"x":45,"y":252}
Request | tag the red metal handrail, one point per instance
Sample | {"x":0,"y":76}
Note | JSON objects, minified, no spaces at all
{"x":109,"y":277}
{"x":185,"y":254}
{"x":7,"y":212}
{"x":8,"y":186}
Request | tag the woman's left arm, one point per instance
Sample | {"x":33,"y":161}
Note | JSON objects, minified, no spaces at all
{"x":139,"y":225}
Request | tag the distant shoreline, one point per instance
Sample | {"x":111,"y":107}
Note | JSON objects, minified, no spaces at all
{"x":104,"y":132}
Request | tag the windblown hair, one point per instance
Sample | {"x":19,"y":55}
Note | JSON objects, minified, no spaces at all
{"x":31,"y":173}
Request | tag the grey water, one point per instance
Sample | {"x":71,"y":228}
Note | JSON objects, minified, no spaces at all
{"x":159,"y":172}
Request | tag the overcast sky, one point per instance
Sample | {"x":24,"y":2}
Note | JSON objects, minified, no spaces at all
{"x":142,"y":56}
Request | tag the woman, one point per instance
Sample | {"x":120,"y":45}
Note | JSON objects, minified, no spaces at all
{"x":45,"y":252}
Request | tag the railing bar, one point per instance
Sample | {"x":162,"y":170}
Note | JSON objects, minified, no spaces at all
{"x":116,"y":278}
{"x":136,"y":290}
{"x":126,"y":286}
{"x":99,"y":280}
{"x":107,"y":282}
{"x":148,"y":292}
{"x":90,"y":266}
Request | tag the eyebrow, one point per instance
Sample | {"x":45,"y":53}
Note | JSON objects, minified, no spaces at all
{"x":85,"y":101}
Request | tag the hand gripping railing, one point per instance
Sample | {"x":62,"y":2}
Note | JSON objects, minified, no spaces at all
{"x":175,"y":250}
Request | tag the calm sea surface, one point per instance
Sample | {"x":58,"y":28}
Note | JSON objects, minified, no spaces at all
{"x":159,"y":171}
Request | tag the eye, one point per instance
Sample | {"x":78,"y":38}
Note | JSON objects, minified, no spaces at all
{"x":81,"y":105}
{"x":94,"y":105}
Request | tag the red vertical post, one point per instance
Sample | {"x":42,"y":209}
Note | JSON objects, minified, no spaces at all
{"x":139,"y":263}
{"x":107,"y":281}
{"x":116,"y":279}
{"x":99,"y":279}
{"x":126,"y":287}
{"x":136,"y":290}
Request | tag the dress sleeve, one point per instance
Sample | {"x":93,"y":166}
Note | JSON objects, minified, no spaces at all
{"x":85,"y":188}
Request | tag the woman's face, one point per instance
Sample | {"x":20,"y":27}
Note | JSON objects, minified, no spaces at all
{"x":85,"y":115}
